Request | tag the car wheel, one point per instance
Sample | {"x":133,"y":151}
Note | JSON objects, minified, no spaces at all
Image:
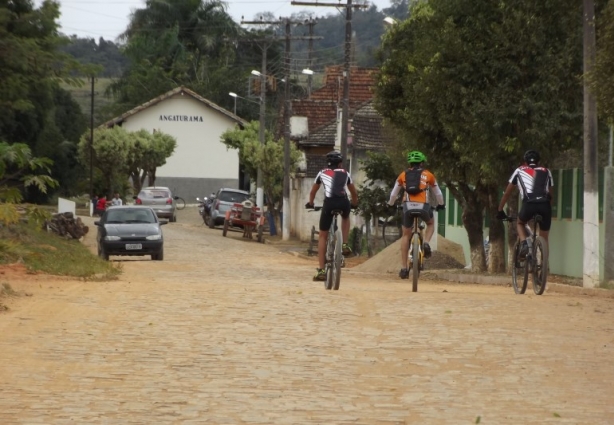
{"x":206,"y":218}
{"x":102,"y":253}
{"x":174,"y":219}
{"x":211,"y":223}
{"x":159,"y":256}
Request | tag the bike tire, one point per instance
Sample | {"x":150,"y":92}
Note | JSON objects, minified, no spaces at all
{"x":330,"y":245}
{"x":519,"y":282}
{"x":337,"y":260}
{"x":179,"y":203}
{"x":415,"y":248}
{"x":540,"y":265}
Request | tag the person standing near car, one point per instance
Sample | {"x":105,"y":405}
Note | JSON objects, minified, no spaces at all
{"x":337,"y":182}
{"x":116,"y":201}
{"x":101,"y":206}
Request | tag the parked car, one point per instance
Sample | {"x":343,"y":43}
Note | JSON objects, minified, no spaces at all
{"x":223,"y":200}
{"x":160,"y":199}
{"x":130,"y":230}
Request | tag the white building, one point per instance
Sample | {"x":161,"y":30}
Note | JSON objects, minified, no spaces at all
{"x":201,"y":163}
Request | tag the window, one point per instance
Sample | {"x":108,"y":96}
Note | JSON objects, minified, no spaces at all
{"x":451,"y":210}
{"x":580,"y":194}
{"x":556,"y":194}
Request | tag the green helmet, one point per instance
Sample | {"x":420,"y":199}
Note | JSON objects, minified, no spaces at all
{"x":416,"y":156}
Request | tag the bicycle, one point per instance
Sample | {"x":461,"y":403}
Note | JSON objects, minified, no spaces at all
{"x":334,"y":253}
{"x":179,"y":203}
{"x":415,"y":254}
{"x":535,"y":262}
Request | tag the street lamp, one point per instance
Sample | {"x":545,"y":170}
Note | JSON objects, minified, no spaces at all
{"x":389,"y":20}
{"x":233,"y":94}
{"x":259,"y":189}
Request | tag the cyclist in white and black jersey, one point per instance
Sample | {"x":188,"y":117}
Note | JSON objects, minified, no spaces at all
{"x":535,"y":184}
{"x":337,"y":183}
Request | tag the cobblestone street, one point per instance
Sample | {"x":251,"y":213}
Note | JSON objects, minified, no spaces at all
{"x":230,"y":331}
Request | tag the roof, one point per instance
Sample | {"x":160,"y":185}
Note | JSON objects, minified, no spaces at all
{"x":168,"y":95}
{"x":368,"y":130}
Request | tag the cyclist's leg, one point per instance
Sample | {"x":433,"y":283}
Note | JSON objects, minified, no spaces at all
{"x":524,"y":216}
{"x":326,"y":219}
{"x":544,"y":225}
{"x":408,"y":223}
{"x":344,"y":205}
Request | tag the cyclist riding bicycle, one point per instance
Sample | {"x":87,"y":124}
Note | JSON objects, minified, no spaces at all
{"x":337,"y":182}
{"x":416,"y":181}
{"x":535,"y":184}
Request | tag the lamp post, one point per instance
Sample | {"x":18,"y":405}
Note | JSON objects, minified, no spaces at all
{"x":233,"y":94}
{"x":259,"y":189}
{"x":309,"y":74}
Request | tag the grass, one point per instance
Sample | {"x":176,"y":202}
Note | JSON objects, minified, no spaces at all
{"x":45,"y":252}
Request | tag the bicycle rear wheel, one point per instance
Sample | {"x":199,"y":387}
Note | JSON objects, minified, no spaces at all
{"x":540,"y":265}
{"x":337,"y":260}
{"x":330,"y":246}
{"x":520,"y":271}
{"x":417,"y":260}
{"x":179,"y":203}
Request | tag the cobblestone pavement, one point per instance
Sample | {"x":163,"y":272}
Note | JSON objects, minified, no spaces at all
{"x":229,"y":331}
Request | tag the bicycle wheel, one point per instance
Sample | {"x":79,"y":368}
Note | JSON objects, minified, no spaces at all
{"x":540,"y":265}
{"x":330,"y":246}
{"x":337,"y":260}
{"x":416,"y":255}
{"x":179,"y":203}
{"x":520,"y":271}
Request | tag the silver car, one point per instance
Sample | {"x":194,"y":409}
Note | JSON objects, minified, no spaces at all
{"x":223,"y":200}
{"x":160,"y":199}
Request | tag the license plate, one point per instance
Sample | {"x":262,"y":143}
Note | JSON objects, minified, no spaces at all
{"x":134,"y":246}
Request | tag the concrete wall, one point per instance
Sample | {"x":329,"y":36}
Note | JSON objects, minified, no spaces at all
{"x":199,"y":153}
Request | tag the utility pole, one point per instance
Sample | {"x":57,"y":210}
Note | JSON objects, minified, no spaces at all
{"x":286,"y":181}
{"x":285,"y":234}
{"x":590,"y":273}
{"x":347,"y":65}
{"x":311,"y":23}
{"x":608,"y":215}
{"x":92,"y":144}
{"x":259,"y":188}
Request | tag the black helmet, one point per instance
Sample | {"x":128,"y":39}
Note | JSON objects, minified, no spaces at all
{"x":531,"y":157}
{"x":334,"y":157}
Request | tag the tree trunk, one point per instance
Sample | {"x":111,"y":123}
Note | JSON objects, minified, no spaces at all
{"x":512,"y":234}
{"x":368,"y":232}
{"x":473,"y":220}
{"x":496,"y":234}
{"x":151,"y":174}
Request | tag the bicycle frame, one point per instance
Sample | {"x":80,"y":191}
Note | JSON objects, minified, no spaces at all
{"x":333,"y":256}
{"x":415,"y":254}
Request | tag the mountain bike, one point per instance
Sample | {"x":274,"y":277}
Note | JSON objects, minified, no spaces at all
{"x":415,"y":254}
{"x":535,"y":262}
{"x":334,"y":253}
{"x":179,"y":202}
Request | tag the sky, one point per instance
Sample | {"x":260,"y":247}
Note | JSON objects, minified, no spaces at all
{"x":109,"y":18}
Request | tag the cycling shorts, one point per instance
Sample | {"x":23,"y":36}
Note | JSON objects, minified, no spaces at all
{"x":426,"y":213}
{"x":330,"y":204}
{"x":528,"y":211}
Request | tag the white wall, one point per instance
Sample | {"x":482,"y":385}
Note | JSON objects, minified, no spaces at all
{"x":66,"y":205}
{"x":199,"y":152}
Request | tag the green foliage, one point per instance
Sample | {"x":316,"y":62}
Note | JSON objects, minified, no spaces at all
{"x":106,"y":54}
{"x":374,"y":194}
{"x":268,"y":157}
{"x":602,"y":77}
{"x":119,"y":154}
{"x":16,"y":166}
{"x":46,"y":252}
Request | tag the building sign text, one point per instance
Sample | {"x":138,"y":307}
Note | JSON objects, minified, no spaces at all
{"x":188,"y":118}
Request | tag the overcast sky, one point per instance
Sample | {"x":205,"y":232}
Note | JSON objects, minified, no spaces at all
{"x":109,"y":18}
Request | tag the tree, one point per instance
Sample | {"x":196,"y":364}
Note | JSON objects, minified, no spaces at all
{"x":268,"y":157}
{"x":603,"y":77}
{"x":476,"y":84}
{"x":111,"y":150}
{"x":19,"y":170}
{"x":160,"y":148}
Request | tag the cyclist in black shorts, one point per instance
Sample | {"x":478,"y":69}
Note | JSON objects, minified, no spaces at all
{"x":535,"y":184}
{"x":335,"y":180}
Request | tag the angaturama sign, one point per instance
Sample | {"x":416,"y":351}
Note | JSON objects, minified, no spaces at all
{"x":186,"y":118}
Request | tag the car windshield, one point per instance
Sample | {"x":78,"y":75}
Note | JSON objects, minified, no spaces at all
{"x":124,"y":216}
{"x":154,"y":194}
{"x":237,"y":197}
